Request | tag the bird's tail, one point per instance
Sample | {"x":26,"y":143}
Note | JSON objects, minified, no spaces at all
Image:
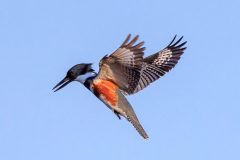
{"x":129,"y":114}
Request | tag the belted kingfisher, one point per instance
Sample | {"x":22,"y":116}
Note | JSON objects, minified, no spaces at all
{"x":125,"y":72}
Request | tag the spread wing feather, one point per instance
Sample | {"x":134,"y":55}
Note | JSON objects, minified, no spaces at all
{"x":123,"y":66}
{"x":156,"y":65}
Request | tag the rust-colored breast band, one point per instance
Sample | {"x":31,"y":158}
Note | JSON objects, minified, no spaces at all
{"x":107,"y":90}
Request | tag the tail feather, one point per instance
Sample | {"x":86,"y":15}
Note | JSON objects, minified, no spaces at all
{"x":126,"y":110}
{"x":138,"y":127}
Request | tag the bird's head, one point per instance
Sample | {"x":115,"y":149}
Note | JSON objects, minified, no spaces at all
{"x":79,"y":72}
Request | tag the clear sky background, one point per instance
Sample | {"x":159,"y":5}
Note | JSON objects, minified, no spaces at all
{"x":192,"y":113}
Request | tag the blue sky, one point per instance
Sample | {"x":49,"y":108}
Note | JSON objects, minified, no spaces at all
{"x":190,"y":113}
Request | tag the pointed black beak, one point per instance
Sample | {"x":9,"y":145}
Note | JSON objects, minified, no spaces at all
{"x":62,"y":84}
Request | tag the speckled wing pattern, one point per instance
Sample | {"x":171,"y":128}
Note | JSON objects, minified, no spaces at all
{"x":156,"y":65}
{"x":123,"y":66}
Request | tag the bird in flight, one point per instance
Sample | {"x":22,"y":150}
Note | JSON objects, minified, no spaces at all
{"x":125,"y":72}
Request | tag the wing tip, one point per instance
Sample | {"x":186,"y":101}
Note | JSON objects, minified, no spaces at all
{"x":129,"y":43}
{"x":177,"y":45}
{"x":126,"y":40}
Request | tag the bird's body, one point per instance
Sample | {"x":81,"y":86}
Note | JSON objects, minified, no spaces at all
{"x":125,"y":72}
{"x":110,"y":94}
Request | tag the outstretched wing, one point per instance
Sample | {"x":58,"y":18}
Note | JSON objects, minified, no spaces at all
{"x":156,"y":65}
{"x":123,"y":66}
